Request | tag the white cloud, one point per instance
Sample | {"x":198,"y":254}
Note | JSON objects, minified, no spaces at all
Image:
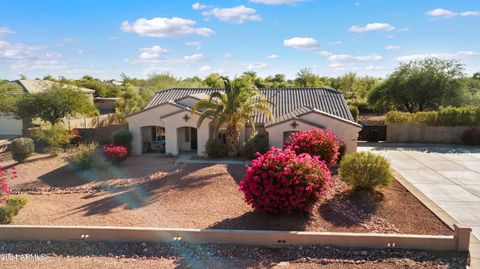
{"x":227,"y":55}
{"x":272,"y":57}
{"x":80,"y":51}
{"x":337,"y":66}
{"x":302,"y":43}
{"x":198,"y":6}
{"x":404,"y":29}
{"x":376,"y":26}
{"x":455,"y":55}
{"x":194,"y":58}
{"x":196,"y":44}
{"x":238,"y":14}
{"x":470,"y":13}
{"x":376,"y":67}
{"x":153,"y":53}
{"x":275,"y":2}
{"x":255,"y":66}
{"x":204,"y":69}
{"x":165,"y":27}
{"x":392,"y":47}
{"x":440,"y":12}
{"x":445,"y":13}
{"x":6,"y":30}
{"x":324,"y":53}
{"x":349,"y":58}
{"x":335,"y":43}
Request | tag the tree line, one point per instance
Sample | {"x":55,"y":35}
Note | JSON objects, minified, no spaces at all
{"x":425,"y":84}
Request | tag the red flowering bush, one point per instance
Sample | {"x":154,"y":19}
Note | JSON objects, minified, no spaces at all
{"x":6,"y":175}
{"x":322,"y":143}
{"x":115,"y":154}
{"x":284,"y":182}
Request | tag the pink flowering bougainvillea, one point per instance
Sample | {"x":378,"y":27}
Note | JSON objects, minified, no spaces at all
{"x":115,"y":154}
{"x":284,"y":182}
{"x":322,"y":143}
{"x":6,"y":175}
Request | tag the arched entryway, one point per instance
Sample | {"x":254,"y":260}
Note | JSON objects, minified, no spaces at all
{"x":187,"y":138}
{"x":153,"y":139}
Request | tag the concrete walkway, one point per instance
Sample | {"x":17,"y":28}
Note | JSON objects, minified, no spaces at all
{"x":187,"y":158}
{"x":449,"y":175}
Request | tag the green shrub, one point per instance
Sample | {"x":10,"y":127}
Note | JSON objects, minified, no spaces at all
{"x":365,"y":170}
{"x":22,"y":148}
{"x":56,"y":137}
{"x":123,"y":138}
{"x":83,"y":157}
{"x":355,"y":112}
{"x":11,"y":207}
{"x":215,"y":148}
{"x":257,"y":143}
{"x":449,"y":116}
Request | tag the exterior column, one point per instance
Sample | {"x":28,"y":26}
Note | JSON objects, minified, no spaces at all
{"x":137,"y":139}
{"x":171,"y":140}
{"x":203,"y":133}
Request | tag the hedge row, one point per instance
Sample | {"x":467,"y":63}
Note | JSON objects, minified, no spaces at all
{"x":450,"y":116}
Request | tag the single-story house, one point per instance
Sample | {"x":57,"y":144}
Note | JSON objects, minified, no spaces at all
{"x":12,"y":127}
{"x":167,"y":124}
{"x":106,"y":105}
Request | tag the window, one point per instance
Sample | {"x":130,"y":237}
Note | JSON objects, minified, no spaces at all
{"x":187,"y":135}
{"x":158,"y":134}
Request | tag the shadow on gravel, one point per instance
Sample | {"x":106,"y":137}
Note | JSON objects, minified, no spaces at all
{"x":351,"y":208}
{"x":264,"y":221}
{"x":147,"y":192}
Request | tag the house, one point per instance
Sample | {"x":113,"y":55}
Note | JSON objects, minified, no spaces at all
{"x":12,"y":127}
{"x":167,"y":124}
{"x":105,"y":105}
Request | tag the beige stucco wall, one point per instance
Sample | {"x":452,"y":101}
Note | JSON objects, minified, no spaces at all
{"x":10,"y":126}
{"x":421,"y":133}
{"x":347,"y":132}
{"x":171,"y":123}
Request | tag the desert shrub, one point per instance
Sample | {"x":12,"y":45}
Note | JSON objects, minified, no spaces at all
{"x":123,"y":138}
{"x":365,"y":170}
{"x":83,"y":157}
{"x":56,"y":137}
{"x":22,"y":148}
{"x":11,"y":207}
{"x":75,"y":137}
{"x":471,"y":137}
{"x":355,"y":112}
{"x":449,"y":116}
{"x":322,"y":143}
{"x":215,"y":148}
{"x":115,"y":154}
{"x":284,"y":182}
{"x":257,"y":143}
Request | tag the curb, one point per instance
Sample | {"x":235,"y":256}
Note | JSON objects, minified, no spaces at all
{"x":457,"y":242}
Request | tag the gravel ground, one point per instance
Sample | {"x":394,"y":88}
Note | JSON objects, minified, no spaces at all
{"x":153,"y":191}
{"x":147,"y":255}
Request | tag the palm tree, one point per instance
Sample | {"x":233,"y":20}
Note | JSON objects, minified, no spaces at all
{"x":236,"y":105}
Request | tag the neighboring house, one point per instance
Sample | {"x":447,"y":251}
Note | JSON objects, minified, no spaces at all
{"x":11,"y":127}
{"x":167,"y":124}
{"x":105,"y":105}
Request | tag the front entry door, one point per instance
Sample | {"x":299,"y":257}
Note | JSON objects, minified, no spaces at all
{"x":193,"y":138}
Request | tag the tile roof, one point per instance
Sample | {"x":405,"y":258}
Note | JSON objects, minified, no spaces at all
{"x":287,"y":101}
{"x":37,"y":86}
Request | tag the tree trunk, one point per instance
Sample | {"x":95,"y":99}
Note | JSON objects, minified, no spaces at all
{"x":233,"y":140}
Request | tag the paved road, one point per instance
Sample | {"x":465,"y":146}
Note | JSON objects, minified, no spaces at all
{"x":449,"y":175}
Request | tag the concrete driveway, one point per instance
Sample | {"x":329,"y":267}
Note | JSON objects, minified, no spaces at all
{"x":449,"y":175}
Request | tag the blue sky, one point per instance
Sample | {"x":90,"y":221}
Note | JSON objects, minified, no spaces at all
{"x":105,"y":38}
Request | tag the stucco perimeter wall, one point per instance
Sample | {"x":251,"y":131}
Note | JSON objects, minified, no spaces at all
{"x":421,"y":133}
{"x":347,"y":132}
{"x":9,"y":126}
